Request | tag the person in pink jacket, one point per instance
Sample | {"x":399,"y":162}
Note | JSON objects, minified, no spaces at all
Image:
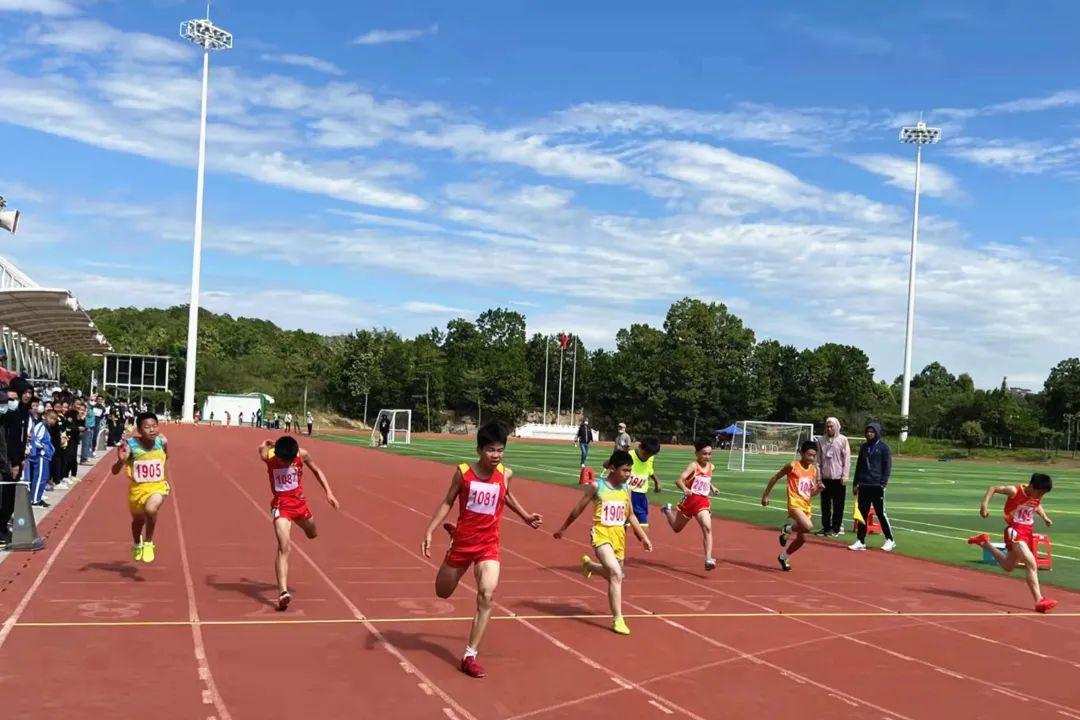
{"x":834,"y":462}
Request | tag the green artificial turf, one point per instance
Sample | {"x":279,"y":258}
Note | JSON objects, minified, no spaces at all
{"x":933,"y":506}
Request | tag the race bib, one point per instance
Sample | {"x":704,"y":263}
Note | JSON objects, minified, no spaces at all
{"x":702,"y":485}
{"x":806,"y":487}
{"x":148,"y":470}
{"x":483,"y":497}
{"x":1024,"y":515}
{"x":637,"y":482}
{"x":286,"y":479}
{"x":612,"y":513}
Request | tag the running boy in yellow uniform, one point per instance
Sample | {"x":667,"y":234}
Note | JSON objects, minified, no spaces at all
{"x":611,"y":512}
{"x":802,"y":485}
{"x":146,"y":458}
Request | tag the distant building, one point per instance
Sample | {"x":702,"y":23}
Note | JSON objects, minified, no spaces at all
{"x":1021,"y":392}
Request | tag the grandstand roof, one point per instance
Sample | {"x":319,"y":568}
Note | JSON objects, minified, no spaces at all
{"x":50,"y":317}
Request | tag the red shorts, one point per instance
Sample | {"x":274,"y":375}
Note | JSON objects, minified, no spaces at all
{"x":1020,"y":533}
{"x":290,"y":507}
{"x":693,"y":504}
{"x":463,"y":557}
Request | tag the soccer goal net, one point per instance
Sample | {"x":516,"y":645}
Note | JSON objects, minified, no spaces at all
{"x":766,"y":446}
{"x":396,"y":423}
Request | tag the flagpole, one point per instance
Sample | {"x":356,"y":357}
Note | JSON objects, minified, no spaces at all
{"x":573,"y":383}
{"x":547,"y":354}
{"x":562,"y":351}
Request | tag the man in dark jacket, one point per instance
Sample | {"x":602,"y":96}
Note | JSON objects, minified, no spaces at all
{"x":583,"y":439}
{"x":16,"y":421}
{"x":384,"y":430}
{"x":872,"y":471}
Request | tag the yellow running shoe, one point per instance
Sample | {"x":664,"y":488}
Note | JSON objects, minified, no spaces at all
{"x":618,"y":625}
{"x":586,"y":570}
{"x":136,"y":552}
{"x":148,"y":552}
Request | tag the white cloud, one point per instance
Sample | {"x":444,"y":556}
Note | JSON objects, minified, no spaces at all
{"x":430,"y":308}
{"x":94,"y":37}
{"x":528,"y":150}
{"x":900,"y":172}
{"x":305,"y":61}
{"x":42,"y":7}
{"x":1018,"y":156}
{"x":382,"y":37}
{"x":839,"y":38}
{"x":1053,"y":101}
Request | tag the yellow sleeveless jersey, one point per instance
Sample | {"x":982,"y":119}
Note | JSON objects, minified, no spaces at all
{"x":145,"y":466}
{"x":611,"y":507}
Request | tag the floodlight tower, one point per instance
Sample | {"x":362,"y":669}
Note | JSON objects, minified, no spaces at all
{"x":918,"y":136}
{"x":209,"y":37}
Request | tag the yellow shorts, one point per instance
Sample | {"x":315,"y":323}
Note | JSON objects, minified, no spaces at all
{"x":798,"y":502}
{"x":139,"y":493}
{"x":613,"y":536}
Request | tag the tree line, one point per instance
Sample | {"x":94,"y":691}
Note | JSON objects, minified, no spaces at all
{"x":701,"y":370}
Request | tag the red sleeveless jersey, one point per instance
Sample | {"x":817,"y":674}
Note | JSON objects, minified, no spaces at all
{"x":286,"y":479}
{"x":1020,"y":508}
{"x":480,"y":507}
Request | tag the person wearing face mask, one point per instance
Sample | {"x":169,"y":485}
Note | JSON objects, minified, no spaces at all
{"x":75,"y":415}
{"x":834,"y":461}
{"x":58,"y":436}
{"x":16,"y":420}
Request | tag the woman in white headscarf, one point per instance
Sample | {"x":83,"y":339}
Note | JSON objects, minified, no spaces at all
{"x":834,"y":461}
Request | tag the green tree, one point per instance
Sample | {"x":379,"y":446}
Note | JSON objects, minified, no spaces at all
{"x":1062,"y":391}
{"x":972,"y":435}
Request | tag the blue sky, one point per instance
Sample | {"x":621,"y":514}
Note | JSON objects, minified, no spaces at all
{"x":399,"y":164}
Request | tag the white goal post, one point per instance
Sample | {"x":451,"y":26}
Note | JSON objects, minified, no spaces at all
{"x":400,"y":427}
{"x":766,"y":446}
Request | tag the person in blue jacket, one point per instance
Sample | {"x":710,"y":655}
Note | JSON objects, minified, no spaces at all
{"x":39,"y":454}
{"x":872,"y":471}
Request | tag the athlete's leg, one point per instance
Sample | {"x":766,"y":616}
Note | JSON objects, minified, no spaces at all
{"x":150,"y":511}
{"x":308,"y":526}
{"x":611,"y":569}
{"x":801,"y":524}
{"x":447,"y":579}
{"x":282,"y":529}
{"x":704,"y":519}
{"x":675,"y":519}
{"x":1023,"y":552}
{"x":487,"y":579}
{"x":137,"y":523}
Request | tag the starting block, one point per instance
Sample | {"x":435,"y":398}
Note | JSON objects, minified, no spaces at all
{"x":587,"y":476}
{"x":872,"y":525}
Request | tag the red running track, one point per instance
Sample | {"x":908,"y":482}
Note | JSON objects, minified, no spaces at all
{"x":89,"y":632}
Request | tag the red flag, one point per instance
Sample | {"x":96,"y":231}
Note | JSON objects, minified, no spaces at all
{"x":564,"y":340}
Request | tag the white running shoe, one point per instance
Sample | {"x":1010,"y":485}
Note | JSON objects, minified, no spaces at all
{"x":856,"y":546}
{"x":888,"y":546}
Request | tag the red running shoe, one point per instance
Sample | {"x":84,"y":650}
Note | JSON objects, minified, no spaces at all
{"x":449,"y":527}
{"x":1045,"y":605}
{"x":980,"y":539}
{"x":470,"y":667}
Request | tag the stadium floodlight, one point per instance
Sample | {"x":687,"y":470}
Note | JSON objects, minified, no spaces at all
{"x":9,"y":219}
{"x":918,"y":136}
{"x":209,"y":37}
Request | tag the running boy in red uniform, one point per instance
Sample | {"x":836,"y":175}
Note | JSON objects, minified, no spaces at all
{"x":1023,"y":503}
{"x":285,"y":461}
{"x":696,"y":486}
{"x":481,"y":490}
{"x":802,"y":485}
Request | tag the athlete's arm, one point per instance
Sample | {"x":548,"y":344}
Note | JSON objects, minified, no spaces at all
{"x":123,"y":452}
{"x":984,"y":508}
{"x":165,"y":449}
{"x":640,"y":532}
{"x":1044,"y":516}
{"x":772,"y":483}
{"x":533,"y":520}
{"x":680,"y":482}
{"x":441,"y":512}
{"x":656,"y":482}
{"x":321,"y":477}
{"x":586,"y":497}
{"x":264,"y":449}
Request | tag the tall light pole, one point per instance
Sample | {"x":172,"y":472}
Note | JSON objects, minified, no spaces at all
{"x":918,"y":136}
{"x":210,"y":37}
